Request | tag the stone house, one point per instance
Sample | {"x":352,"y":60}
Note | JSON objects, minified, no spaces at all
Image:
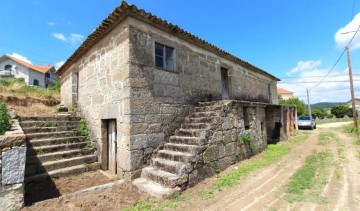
{"x":285,"y":94}
{"x":37,"y":75}
{"x":138,"y":80}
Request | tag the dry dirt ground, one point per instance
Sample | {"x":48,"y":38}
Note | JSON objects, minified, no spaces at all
{"x":261,"y":190}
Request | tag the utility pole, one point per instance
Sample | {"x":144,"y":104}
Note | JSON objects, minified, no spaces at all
{"x":351,"y":88}
{"x":309,"y":107}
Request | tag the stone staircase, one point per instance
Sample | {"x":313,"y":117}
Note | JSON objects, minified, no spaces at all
{"x":170,"y":167}
{"x":56,"y":148}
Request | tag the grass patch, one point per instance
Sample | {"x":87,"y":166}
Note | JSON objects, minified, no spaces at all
{"x":325,"y":138}
{"x":299,"y":138}
{"x":18,"y":88}
{"x":268,"y":157}
{"x":307,"y":183}
{"x":153,"y":204}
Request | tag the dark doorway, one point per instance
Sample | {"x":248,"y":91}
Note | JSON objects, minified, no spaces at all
{"x":224,"y":84}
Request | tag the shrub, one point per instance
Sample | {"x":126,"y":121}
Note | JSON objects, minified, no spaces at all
{"x":341,"y":110}
{"x":5,"y":122}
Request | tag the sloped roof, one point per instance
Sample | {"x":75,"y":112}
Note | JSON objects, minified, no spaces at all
{"x":38,"y":68}
{"x":125,"y":10}
{"x":283,"y":91}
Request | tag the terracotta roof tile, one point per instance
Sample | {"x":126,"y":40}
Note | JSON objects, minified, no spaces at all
{"x":41,"y":69}
{"x":124,"y":10}
{"x":283,"y":91}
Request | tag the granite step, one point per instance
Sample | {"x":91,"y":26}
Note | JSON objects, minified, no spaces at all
{"x":29,"y":130}
{"x":40,"y":167}
{"x":57,"y":141}
{"x":187,"y":140}
{"x":204,"y":126}
{"x":155,"y":189}
{"x":50,"y":118}
{"x":162,"y":177}
{"x":38,"y":124}
{"x":177,"y":156}
{"x":51,"y":135}
{"x":204,"y":114}
{"x":202,"y":133}
{"x":55,"y":148}
{"x":186,"y":148}
{"x":173,"y":167}
{"x":65,"y":172}
{"x":199,"y":120}
{"x":208,"y":108}
{"x":58,"y":155}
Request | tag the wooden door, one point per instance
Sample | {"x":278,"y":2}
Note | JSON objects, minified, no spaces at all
{"x":112,"y":145}
{"x":224,"y":84}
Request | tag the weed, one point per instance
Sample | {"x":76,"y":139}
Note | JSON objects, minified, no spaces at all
{"x":338,"y":174}
{"x":40,"y":152}
{"x":325,"y":138}
{"x":59,"y":158}
{"x":83,"y":128}
{"x":88,"y":146}
{"x":244,"y":139}
{"x":307,"y":183}
{"x":299,"y":138}
{"x":73,"y":109}
{"x":153,"y":204}
{"x":5,"y":120}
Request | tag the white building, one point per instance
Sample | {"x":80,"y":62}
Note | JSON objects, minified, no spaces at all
{"x":43,"y":75}
{"x":285,"y":94}
{"x":357,"y":104}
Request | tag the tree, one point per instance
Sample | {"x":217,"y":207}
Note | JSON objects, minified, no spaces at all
{"x":295,"y":101}
{"x":320,"y":113}
{"x":341,"y":110}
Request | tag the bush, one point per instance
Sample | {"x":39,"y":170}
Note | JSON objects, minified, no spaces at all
{"x":300,"y":105}
{"x":5,"y":122}
{"x":341,"y":110}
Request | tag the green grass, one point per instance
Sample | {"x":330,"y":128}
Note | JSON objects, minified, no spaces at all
{"x":326,"y":137}
{"x":308,"y":182}
{"x":268,"y":157}
{"x":153,"y":204}
{"x":299,"y":138}
{"x":18,"y":88}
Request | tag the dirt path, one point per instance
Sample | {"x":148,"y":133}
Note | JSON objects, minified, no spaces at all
{"x":265,"y":189}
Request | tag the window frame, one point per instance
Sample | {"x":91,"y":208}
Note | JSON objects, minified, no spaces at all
{"x":36,"y":84}
{"x":164,"y":57}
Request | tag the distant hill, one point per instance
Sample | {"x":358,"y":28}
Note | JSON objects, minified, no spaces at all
{"x":326,"y":104}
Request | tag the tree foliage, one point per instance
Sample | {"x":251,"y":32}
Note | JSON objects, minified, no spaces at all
{"x":320,"y":113}
{"x":341,"y":110}
{"x":5,"y":122}
{"x":294,"y":101}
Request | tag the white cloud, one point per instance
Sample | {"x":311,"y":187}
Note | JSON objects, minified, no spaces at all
{"x":22,"y":58}
{"x":343,"y":35}
{"x":59,"y":64}
{"x":73,"y":39}
{"x":76,"y":39}
{"x":335,"y":88}
{"x":305,"y":66}
{"x":50,"y":23}
{"x":60,"y":36}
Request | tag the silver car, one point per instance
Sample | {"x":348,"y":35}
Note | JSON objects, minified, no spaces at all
{"x":306,"y":122}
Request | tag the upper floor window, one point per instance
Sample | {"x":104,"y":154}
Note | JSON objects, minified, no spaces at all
{"x":36,"y":82}
{"x":47,"y":75}
{"x":164,"y":57}
{"x":8,"y":67}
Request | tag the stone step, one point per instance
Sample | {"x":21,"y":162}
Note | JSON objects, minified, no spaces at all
{"x":29,"y":130}
{"x":192,"y":133}
{"x":162,"y":177}
{"x":55,"y":148}
{"x":155,"y":189}
{"x":204,"y":114}
{"x":50,"y":118}
{"x":173,"y":167}
{"x":187,"y":140}
{"x":177,"y":156}
{"x":51,"y":135}
{"x":211,"y":103}
{"x":65,"y":172}
{"x":37,"y":124}
{"x":58,"y":155}
{"x":199,"y":120}
{"x":57,"y":141}
{"x":192,"y":149}
{"x":196,"y":126}
{"x":58,"y":164}
{"x":208,"y":108}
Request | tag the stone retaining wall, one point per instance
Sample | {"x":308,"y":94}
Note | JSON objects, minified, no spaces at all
{"x":12,"y":168}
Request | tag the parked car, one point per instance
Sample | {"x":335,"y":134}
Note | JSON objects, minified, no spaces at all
{"x":306,"y":122}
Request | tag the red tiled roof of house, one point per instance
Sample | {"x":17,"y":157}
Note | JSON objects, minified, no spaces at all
{"x":283,"y":91}
{"x":40,"y":68}
{"x":125,"y":10}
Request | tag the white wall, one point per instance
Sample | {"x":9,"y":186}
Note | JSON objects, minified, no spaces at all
{"x":36,"y":75}
{"x":20,"y":71}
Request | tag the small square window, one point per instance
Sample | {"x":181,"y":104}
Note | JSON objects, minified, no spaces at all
{"x":164,"y":57}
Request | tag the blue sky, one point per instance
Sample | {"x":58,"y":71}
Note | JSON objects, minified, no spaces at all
{"x":297,"y":41}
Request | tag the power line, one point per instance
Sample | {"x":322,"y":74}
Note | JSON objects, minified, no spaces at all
{"x":312,"y":82}
{"x":316,"y":76}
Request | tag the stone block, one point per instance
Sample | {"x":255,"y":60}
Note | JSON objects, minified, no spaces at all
{"x":226,"y":125}
{"x":138,"y":128}
{"x":13,"y":166}
{"x":230,"y":149}
{"x":216,"y":137}
{"x":222,"y":151}
{"x":12,"y":197}
{"x":199,"y":174}
{"x":211,"y":153}
{"x":228,"y":137}
{"x":226,"y":162}
{"x":146,"y":140}
{"x":130,"y":160}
